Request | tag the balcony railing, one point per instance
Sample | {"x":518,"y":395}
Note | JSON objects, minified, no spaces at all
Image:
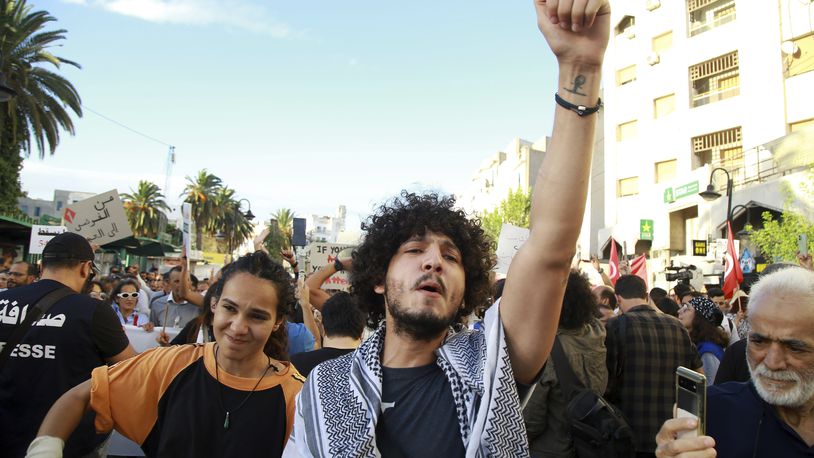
{"x":785,"y":155}
{"x":698,"y":27}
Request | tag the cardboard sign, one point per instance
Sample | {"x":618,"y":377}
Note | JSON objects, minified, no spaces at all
{"x":40,"y":235}
{"x":323,"y":254}
{"x":510,"y":240}
{"x":100,"y":219}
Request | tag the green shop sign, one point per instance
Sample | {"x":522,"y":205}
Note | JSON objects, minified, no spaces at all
{"x":646,"y":229}
{"x":673,"y":194}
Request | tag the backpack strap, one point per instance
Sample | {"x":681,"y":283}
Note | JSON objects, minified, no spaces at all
{"x":35,"y":312}
{"x":569,"y":383}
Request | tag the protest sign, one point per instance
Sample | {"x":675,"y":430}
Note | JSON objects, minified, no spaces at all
{"x":189,"y":233}
{"x":100,"y":219}
{"x":143,"y":340}
{"x":510,"y":240}
{"x":40,"y":235}
{"x":323,"y":254}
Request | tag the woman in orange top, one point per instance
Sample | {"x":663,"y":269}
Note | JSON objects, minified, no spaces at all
{"x":215,"y":399}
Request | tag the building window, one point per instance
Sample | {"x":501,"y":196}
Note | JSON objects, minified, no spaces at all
{"x":663,"y":42}
{"x":625,"y":26}
{"x":627,"y":187}
{"x":801,"y":125}
{"x":714,"y":80}
{"x":625,"y":75}
{"x":37,"y":211}
{"x":626,"y":130}
{"x":703,"y":15}
{"x":24,"y":209}
{"x":666,"y":170}
{"x":59,"y":205}
{"x":664,"y":105}
{"x":718,"y":149}
{"x":799,"y":56}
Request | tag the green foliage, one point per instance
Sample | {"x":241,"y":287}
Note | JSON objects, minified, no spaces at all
{"x":200,"y":192}
{"x":276,"y":241}
{"x":285,"y":224}
{"x":43,"y":99}
{"x":515,"y":209}
{"x":145,"y":208}
{"x":229,"y":219}
{"x":777,"y":240}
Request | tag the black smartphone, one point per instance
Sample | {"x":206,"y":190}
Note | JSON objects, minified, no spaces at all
{"x":691,"y":399}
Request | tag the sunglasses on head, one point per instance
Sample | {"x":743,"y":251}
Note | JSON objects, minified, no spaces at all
{"x":127,"y":295}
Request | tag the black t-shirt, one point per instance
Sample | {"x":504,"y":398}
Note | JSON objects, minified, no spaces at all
{"x":418,"y":414}
{"x":58,"y":352}
{"x":306,"y":361}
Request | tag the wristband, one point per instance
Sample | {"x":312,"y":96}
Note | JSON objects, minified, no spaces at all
{"x":45,"y":447}
{"x":580,"y":110}
{"x":338,"y":265}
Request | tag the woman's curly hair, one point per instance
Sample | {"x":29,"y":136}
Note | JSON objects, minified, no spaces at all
{"x":260,"y":265}
{"x":579,"y":305}
{"x":411,"y":214}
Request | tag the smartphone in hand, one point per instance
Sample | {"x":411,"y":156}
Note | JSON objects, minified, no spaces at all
{"x":691,"y":399}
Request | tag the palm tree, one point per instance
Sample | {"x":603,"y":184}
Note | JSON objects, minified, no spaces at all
{"x":145,"y":208}
{"x":200,"y":192}
{"x":285,"y":223}
{"x":229,"y":220}
{"x":43,"y":97}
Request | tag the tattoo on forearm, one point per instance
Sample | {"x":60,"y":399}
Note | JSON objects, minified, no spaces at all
{"x":579,"y":81}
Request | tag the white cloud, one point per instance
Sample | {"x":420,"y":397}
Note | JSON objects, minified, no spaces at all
{"x":233,"y":13}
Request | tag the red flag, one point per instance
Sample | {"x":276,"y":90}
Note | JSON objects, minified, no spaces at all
{"x":733,"y":275}
{"x":638,"y":267}
{"x":613,"y":265}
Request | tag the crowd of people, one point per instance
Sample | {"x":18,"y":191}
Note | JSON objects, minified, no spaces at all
{"x":428,"y":355}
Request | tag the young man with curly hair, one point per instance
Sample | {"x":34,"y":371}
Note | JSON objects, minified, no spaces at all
{"x":417,"y":387}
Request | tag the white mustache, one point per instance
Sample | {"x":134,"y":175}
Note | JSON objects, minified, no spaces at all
{"x":783,"y":376}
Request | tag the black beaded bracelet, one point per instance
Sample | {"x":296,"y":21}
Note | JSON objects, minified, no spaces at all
{"x":581,"y":110}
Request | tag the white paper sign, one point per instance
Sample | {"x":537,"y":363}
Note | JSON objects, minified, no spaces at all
{"x":100,"y":219}
{"x":40,"y":235}
{"x":186,"y":226}
{"x":323,"y":254}
{"x":510,"y":240}
{"x":143,"y":340}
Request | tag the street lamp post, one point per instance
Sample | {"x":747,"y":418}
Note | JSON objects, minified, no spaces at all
{"x":711,"y":194}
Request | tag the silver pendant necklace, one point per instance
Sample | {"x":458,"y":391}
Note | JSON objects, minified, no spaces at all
{"x":220,"y":396}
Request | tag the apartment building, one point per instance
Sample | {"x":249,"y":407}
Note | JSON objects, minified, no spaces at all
{"x":696,"y":86}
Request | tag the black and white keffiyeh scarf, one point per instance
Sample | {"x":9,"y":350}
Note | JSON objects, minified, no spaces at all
{"x":339,"y":405}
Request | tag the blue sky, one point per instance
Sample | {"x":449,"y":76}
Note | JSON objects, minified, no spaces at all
{"x":305,"y":104}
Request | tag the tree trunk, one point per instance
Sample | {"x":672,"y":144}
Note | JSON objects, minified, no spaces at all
{"x":11,"y":163}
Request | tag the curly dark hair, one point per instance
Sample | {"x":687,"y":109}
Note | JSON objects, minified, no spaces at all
{"x":579,"y":304}
{"x":704,"y":331}
{"x":260,"y":265}
{"x":411,"y":214}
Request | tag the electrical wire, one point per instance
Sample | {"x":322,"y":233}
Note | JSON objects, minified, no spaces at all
{"x":125,"y":127}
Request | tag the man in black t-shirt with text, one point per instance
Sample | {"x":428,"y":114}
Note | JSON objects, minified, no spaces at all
{"x":77,"y":334}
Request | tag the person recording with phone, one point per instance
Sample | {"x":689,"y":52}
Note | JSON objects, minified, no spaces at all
{"x":770,"y":415}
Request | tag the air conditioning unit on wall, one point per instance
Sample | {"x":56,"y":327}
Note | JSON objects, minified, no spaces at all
{"x":652,"y":4}
{"x":653,"y":58}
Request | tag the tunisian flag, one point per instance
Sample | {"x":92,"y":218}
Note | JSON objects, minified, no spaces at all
{"x":638,"y":267}
{"x":613,"y":265}
{"x":733,"y":275}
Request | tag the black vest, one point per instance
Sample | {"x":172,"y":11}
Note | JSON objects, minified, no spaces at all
{"x":57,"y":353}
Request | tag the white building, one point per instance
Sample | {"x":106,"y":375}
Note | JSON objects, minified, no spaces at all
{"x":327,"y":228}
{"x":695,"y":85}
{"x":35,"y":208}
{"x":514,"y":167}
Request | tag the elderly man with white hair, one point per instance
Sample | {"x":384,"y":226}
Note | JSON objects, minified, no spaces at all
{"x":773,"y":415}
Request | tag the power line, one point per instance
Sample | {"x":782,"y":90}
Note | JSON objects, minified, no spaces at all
{"x":126,"y":127}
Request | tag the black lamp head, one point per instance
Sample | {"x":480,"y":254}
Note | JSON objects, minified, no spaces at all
{"x":710,"y":193}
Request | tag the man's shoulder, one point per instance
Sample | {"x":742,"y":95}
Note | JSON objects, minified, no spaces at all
{"x":337,"y":369}
{"x":731,"y":392}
